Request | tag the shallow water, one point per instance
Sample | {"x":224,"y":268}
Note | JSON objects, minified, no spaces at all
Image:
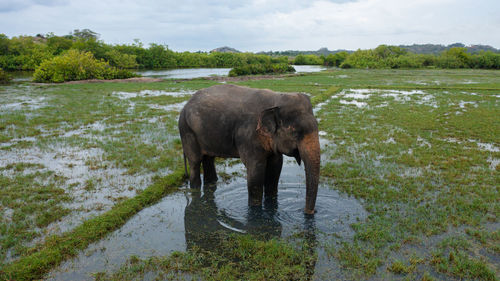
{"x":202,"y":217}
{"x":180,"y":73}
{"x":189,"y":73}
{"x":308,"y":68}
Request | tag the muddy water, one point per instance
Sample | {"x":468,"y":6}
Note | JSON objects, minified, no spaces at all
{"x":201,"y":217}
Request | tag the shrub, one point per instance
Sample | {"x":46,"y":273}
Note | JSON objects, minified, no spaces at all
{"x":307,"y":60}
{"x":252,"y":69}
{"x":4,"y":77}
{"x":454,"y":58}
{"x":121,"y":60}
{"x":75,"y":65}
{"x":486,"y":60}
{"x":336,"y":59}
{"x":362,"y":59}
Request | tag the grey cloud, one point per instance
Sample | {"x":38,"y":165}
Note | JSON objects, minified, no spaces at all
{"x":259,"y":24}
{"x":10,"y":6}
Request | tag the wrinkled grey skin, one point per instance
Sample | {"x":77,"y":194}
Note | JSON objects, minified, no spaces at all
{"x":258,"y":126}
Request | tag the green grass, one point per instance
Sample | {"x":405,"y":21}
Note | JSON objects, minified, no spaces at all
{"x":240,"y":257}
{"x":397,"y":157}
{"x":35,"y":200}
{"x":419,"y":167}
{"x":453,"y":257}
{"x":81,"y":118}
{"x":40,"y":259}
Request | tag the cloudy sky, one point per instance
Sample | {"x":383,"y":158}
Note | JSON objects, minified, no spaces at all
{"x":261,"y":25}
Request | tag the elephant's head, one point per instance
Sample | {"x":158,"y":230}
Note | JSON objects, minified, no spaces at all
{"x":290,"y":128}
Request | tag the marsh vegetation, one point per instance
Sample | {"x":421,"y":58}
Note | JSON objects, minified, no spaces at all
{"x":55,"y":58}
{"x":417,"y":150}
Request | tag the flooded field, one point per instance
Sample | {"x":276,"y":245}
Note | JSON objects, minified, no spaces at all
{"x":190,"y":219}
{"x":409,"y":186}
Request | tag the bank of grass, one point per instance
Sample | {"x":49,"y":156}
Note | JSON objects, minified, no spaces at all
{"x":34,"y":199}
{"x":138,"y":139}
{"x":418,"y":169}
{"x":239,"y":257}
{"x":4,"y":77}
{"x":40,"y":259}
{"x":452,"y":258}
{"x":254,"y":69}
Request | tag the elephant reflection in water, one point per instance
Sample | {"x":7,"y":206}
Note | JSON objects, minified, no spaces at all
{"x":206,"y":226}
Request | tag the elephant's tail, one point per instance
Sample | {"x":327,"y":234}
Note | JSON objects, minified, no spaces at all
{"x":185,"y":165}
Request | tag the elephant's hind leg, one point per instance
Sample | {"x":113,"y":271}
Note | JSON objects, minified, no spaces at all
{"x":273,"y":172}
{"x":209,"y":173}
{"x":192,"y":152}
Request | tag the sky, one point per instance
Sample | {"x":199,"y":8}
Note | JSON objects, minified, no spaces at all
{"x":261,"y":25}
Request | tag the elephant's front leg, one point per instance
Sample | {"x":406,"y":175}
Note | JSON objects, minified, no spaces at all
{"x":273,"y":172}
{"x":256,"y":172}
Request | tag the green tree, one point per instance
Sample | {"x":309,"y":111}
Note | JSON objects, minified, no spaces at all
{"x":307,"y":60}
{"x":121,"y":60}
{"x":336,"y":59}
{"x":85,"y":34}
{"x":58,"y":44}
{"x":157,"y":56}
{"x":486,"y":60}
{"x":4,"y":44}
{"x":97,"y":47}
{"x":456,"y":57}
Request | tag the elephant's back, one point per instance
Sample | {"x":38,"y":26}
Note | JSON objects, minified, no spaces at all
{"x":215,"y":114}
{"x":232,"y":98}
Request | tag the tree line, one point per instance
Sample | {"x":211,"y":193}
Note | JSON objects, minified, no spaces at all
{"x":28,"y":52}
{"x":396,"y":57}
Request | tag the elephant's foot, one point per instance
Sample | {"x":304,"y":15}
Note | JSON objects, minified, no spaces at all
{"x":254,"y":201}
{"x":195,"y":183}
{"x":255,"y":197}
{"x":271,"y":192}
{"x":210,"y":179}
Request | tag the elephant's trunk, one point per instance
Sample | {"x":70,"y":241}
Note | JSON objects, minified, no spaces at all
{"x":309,"y":150}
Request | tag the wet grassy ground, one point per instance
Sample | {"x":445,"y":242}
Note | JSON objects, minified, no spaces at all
{"x":420,"y":149}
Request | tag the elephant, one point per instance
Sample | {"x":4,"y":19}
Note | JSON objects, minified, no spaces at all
{"x":256,"y":125}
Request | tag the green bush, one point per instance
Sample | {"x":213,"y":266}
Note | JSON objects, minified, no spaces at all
{"x":362,"y":59}
{"x":252,"y":69}
{"x":336,"y":59}
{"x":307,"y":60}
{"x":75,"y":65}
{"x":121,"y":60}
{"x":4,"y":77}
{"x":454,"y":58}
{"x":486,"y":60}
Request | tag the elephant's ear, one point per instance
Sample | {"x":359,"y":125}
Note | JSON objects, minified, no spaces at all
{"x":268,"y":121}
{"x":267,"y":125}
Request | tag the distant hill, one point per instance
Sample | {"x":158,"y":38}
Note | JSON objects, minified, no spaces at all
{"x":415,"y":48}
{"x":436,"y":49}
{"x":225,"y":49}
{"x":292,"y":53}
